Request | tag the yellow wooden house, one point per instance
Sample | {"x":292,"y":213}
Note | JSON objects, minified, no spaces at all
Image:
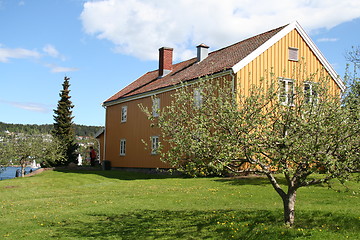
{"x":280,"y":51}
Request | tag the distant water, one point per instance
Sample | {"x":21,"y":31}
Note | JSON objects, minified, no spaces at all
{"x":10,"y":172}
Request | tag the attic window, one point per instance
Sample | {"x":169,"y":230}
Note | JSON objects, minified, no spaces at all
{"x":156,"y":107}
{"x":198,"y":98}
{"x":293,"y":54}
{"x":123,"y":113}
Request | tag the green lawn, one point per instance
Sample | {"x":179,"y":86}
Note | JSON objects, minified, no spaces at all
{"x":122,"y":205}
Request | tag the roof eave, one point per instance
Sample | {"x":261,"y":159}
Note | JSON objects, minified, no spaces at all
{"x":99,"y":132}
{"x":163,"y":89}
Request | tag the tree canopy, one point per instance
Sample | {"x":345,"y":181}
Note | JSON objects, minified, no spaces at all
{"x":21,"y":149}
{"x":253,"y":132}
{"x":352,"y":79}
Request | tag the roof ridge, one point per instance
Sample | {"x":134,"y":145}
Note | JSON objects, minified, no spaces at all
{"x":191,"y":69}
{"x":249,"y":38}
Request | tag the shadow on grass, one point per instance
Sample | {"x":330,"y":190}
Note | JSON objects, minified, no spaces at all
{"x":230,"y":224}
{"x":250,"y":180}
{"x":133,"y":175}
{"x":119,"y":174}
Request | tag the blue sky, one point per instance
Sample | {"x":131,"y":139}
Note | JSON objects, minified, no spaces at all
{"x":104,"y":45}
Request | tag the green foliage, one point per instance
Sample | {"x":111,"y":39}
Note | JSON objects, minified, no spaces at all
{"x":224,"y":133}
{"x":26,"y":128}
{"x":124,"y":205}
{"x":352,"y":80}
{"x":63,"y":126}
{"x":89,"y":131}
{"x":253,"y":132}
{"x":20,"y":149}
{"x":80,"y":130}
{"x":351,"y":98}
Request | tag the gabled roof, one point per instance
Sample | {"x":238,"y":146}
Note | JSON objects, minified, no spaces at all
{"x":233,"y":57}
{"x":306,"y":38}
{"x":99,"y":133}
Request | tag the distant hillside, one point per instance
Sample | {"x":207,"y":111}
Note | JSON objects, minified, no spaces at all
{"x":80,"y":130}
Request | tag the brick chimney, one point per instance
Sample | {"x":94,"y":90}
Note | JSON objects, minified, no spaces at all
{"x":165,"y":61}
{"x":202,"y":52}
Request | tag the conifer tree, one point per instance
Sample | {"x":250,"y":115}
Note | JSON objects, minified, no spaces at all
{"x":64,"y":126}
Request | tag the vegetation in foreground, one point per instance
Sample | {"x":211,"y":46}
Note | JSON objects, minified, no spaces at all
{"x":122,"y":205}
{"x":297,"y":128}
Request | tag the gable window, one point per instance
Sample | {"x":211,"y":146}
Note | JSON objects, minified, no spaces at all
{"x":286,"y":91}
{"x":293,"y":54}
{"x":123,"y":113}
{"x":154,"y":144}
{"x":156,"y":107}
{"x":310,"y":94}
{"x":122,"y":147}
{"x":198,"y":97}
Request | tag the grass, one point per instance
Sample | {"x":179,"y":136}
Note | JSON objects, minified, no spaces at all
{"x":123,"y":205}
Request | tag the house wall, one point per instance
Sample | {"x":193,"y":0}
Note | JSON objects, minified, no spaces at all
{"x":137,"y":127}
{"x":276,"y":60}
{"x":134,"y":130}
{"x":100,"y":140}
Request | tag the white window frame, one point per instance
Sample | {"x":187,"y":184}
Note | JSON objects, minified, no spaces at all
{"x":293,"y":54}
{"x":156,"y":107}
{"x":310,"y":96}
{"x":198,"y":98}
{"x":154,"y":145}
{"x":122,"y":147}
{"x":123,"y":114}
{"x":286,"y":92}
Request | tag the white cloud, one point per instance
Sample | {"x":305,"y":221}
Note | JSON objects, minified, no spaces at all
{"x":33,"y":107}
{"x":8,"y":53}
{"x":327,"y":40}
{"x":64,"y":69}
{"x":48,"y":50}
{"x":140,"y":27}
{"x":58,"y":69}
{"x":51,"y":51}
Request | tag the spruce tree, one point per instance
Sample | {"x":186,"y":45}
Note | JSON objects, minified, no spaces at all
{"x":64,"y":126}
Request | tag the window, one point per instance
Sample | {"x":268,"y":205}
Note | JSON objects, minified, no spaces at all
{"x":198,"y":97}
{"x":286,"y":91}
{"x":310,"y":94}
{"x":293,"y":54}
{"x":156,"y":107}
{"x":123,"y":113}
{"x":122,"y":147}
{"x":154,"y":144}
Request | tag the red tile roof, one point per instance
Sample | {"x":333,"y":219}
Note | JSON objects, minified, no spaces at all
{"x":217,"y":61}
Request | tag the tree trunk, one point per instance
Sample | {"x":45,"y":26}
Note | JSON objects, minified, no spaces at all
{"x":289,"y":207}
{"x":288,"y":199}
{"x":23,"y":166}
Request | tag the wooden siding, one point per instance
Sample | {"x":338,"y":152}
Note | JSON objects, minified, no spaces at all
{"x":137,"y":127}
{"x":134,"y":130}
{"x":276,"y":60}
